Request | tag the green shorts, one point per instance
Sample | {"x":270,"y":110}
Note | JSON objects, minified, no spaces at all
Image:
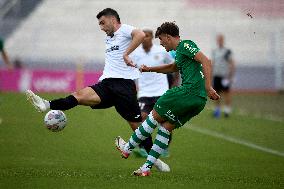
{"x":178,"y":105}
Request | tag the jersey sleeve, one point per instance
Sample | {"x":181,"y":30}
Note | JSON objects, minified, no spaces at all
{"x":167,"y":58}
{"x":228,"y":55}
{"x":189,"y":48}
{"x":127,"y":30}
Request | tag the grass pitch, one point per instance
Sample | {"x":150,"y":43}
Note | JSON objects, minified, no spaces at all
{"x":202,"y":154}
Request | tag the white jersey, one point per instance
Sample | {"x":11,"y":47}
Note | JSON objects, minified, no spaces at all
{"x":151,"y":84}
{"x":115,"y":67}
{"x":221,"y":59}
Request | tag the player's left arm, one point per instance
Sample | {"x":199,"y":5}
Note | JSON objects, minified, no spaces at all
{"x":170,"y":59}
{"x":176,"y":79}
{"x":137,"y":38}
{"x":207,"y":70}
{"x":232,"y":69}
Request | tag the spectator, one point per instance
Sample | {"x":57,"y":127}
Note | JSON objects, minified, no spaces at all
{"x":223,"y":73}
{"x":4,"y":54}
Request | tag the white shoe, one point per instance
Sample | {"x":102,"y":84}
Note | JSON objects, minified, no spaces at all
{"x":162,"y":166}
{"x":120,"y":143}
{"x":37,"y":102}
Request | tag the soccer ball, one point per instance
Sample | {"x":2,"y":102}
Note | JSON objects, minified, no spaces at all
{"x":55,"y":120}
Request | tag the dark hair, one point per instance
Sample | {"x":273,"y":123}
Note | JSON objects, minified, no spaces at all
{"x":108,"y":12}
{"x":169,"y":28}
{"x":148,"y":31}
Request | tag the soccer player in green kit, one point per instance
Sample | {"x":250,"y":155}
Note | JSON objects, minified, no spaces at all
{"x":179,"y":104}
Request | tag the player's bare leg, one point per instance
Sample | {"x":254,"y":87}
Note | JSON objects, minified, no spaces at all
{"x":228,"y":103}
{"x":218,"y":111}
{"x":87,"y":97}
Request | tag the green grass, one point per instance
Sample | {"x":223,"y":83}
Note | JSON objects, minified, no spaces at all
{"x":83,"y":154}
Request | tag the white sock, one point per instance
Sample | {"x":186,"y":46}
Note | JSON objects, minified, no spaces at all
{"x":145,"y":167}
{"x":227,"y":109}
{"x":46,"y":103}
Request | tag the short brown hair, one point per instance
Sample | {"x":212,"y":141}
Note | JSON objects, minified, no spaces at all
{"x":109,"y":12}
{"x":169,"y":28}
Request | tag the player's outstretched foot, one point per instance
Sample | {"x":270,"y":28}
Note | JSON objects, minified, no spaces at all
{"x":141,"y":173}
{"x":120,"y":143}
{"x":36,"y":101}
{"x":162,"y":166}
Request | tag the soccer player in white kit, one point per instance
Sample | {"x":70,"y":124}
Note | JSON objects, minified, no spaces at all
{"x":116,"y":86}
{"x":151,"y":85}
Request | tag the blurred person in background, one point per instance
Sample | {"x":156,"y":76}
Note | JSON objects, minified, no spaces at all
{"x":18,"y":64}
{"x":6,"y":61}
{"x":116,"y":86}
{"x":223,"y":74}
{"x":4,"y":55}
{"x":151,"y":85}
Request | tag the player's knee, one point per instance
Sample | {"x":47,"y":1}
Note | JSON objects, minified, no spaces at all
{"x":157,"y":117}
{"x":144,"y":116}
{"x":134,"y":125}
{"x":80,"y":96}
{"x":87,"y":97}
{"x":168,"y":126}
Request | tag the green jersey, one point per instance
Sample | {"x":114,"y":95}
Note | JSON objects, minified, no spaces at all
{"x":1,"y":44}
{"x":190,"y":70}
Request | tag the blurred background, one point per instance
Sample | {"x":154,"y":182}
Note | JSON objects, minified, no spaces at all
{"x":64,"y":35}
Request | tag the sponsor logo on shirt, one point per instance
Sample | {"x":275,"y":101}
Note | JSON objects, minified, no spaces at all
{"x":170,"y":115}
{"x":188,"y":47}
{"x":113,"y":48}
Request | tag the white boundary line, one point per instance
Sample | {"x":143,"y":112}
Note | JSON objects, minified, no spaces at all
{"x":234,"y":140}
{"x":243,"y":112}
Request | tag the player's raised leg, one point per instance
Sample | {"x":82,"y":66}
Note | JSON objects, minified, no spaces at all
{"x":86,"y":96}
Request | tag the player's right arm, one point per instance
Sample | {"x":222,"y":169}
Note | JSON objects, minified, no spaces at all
{"x":137,"y":38}
{"x":166,"y":68}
